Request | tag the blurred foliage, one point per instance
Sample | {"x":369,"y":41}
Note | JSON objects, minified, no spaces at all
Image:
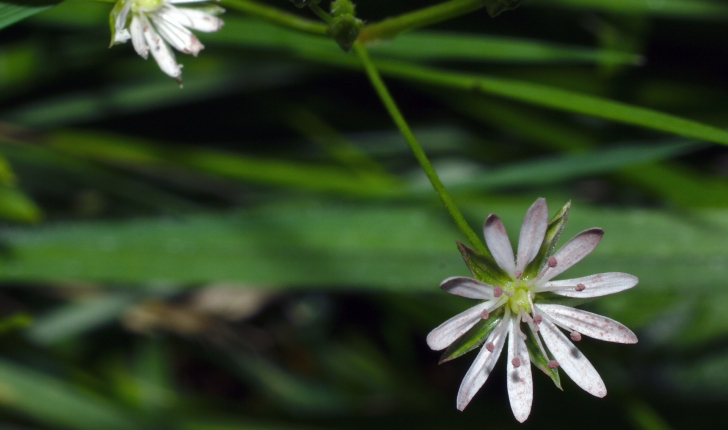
{"x":260,"y":250}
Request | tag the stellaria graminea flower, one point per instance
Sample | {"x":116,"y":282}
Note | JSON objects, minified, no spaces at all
{"x":517,"y":290}
{"x":154,"y":25}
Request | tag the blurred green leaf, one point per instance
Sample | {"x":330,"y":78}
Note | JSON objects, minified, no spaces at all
{"x":419,"y":45}
{"x":16,"y":206}
{"x":699,"y":9}
{"x":50,"y":400}
{"x":67,"y":321}
{"x":12,"y":11}
{"x":366,"y":246}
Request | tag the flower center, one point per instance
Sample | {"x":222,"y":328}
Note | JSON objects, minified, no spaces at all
{"x":147,"y":5}
{"x":518,"y":296}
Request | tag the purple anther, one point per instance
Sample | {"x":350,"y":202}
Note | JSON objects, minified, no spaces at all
{"x":518,"y":274}
{"x":516,"y":362}
{"x":552,"y":261}
{"x":484,"y":314}
{"x":489,"y":346}
{"x":552,"y":364}
{"x":575,"y":336}
{"x":497,"y":291}
{"x":537,"y":319}
{"x":580,"y":287}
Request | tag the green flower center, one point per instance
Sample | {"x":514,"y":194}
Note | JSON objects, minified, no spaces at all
{"x":519,"y":299}
{"x":145,"y":4}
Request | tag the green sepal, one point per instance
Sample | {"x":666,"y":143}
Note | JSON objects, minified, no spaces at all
{"x":556,"y":299}
{"x":112,"y":19}
{"x":345,"y":30}
{"x":474,"y":337}
{"x":540,"y":360}
{"x":495,"y":7}
{"x":346,"y":26}
{"x":483,"y":267}
{"x":553,"y":232}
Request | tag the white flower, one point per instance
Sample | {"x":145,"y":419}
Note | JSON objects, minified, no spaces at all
{"x":154,"y":25}
{"x":522,"y":295}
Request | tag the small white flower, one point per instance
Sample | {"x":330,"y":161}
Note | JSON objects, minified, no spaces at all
{"x":522,"y":295}
{"x":154,"y":25}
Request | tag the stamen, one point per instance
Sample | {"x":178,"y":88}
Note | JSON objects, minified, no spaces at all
{"x":516,"y":362}
{"x":575,"y":336}
{"x":509,"y":293}
{"x":552,"y":364}
{"x":489,"y":346}
{"x":580,"y":287}
{"x":552,"y":261}
{"x":484,"y":315}
{"x":537,"y":319}
{"x":518,"y":323}
{"x":529,"y":320}
{"x":497,"y":291}
{"x":518,"y":274}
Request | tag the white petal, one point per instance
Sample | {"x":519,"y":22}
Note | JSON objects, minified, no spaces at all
{"x":179,"y":37}
{"x":137,"y":37}
{"x":497,"y":240}
{"x":199,"y":20}
{"x":520,"y":383}
{"x":595,"y":285}
{"x":446,"y":333}
{"x":589,"y":324}
{"x":482,"y":366}
{"x":572,"y":252}
{"x":160,"y":51}
{"x":533,"y":230}
{"x":121,"y":36}
{"x":579,"y":369}
{"x":467,"y":287}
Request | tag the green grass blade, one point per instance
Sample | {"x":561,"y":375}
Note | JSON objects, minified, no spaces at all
{"x":12,"y":11}
{"x":46,"y":399}
{"x":696,"y":9}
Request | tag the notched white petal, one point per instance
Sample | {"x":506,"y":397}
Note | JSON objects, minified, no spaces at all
{"x":533,"y":230}
{"x":121,"y":36}
{"x":446,"y":333}
{"x":597,"y":285}
{"x":161,"y":52}
{"x":520,"y":382}
{"x":589,"y":324}
{"x":467,"y":287}
{"x":201,"y":21}
{"x":579,"y":369}
{"x":497,"y":240}
{"x":137,"y":37}
{"x":572,"y":252}
{"x":482,"y":366}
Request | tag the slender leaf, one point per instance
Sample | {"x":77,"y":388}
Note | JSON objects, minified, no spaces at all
{"x":12,"y":11}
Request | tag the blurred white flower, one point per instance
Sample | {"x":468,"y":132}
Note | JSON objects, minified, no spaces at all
{"x":154,"y":25}
{"x":526,"y":294}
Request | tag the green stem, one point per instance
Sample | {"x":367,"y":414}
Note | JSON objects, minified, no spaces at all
{"x":391,"y":27}
{"x":325,"y":17}
{"x":276,"y":16}
{"x":415,"y":147}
